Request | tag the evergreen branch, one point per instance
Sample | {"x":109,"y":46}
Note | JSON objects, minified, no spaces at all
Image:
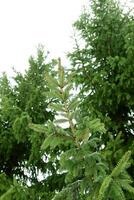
{"x":7,"y":194}
{"x":122,"y":164}
{"x":104,"y":187}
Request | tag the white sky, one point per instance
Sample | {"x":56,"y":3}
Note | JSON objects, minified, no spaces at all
{"x":26,"y":23}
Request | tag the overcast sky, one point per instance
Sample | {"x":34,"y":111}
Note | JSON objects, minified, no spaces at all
{"x":26,"y":23}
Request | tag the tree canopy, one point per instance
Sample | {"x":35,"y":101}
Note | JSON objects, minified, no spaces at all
{"x":56,"y":144}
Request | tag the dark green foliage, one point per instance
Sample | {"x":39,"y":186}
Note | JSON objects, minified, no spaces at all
{"x":105,"y":65}
{"x":58,"y":145}
{"x":104,"y":69}
{"x":21,"y":104}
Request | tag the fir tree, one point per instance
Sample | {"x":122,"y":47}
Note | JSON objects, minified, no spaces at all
{"x":104,"y":72}
{"x":22,"y":103}
{"x":88,"y":175}
{"x":81,"y":144}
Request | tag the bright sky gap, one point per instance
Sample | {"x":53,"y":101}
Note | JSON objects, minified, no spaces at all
{"x":25,"y":24}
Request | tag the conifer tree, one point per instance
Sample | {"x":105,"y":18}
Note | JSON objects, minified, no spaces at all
{"x":81,"y":144}
{"x":20,"y":104}
{"x":105,"y":64}
{"x":104,"y":72}
{"x":88,"y":174}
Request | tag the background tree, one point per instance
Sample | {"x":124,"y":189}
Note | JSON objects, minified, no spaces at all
{"x":104,"y":69}
{"x":24,"y":102}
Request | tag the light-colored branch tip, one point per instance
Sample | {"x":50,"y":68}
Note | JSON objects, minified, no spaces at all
{"x":59,"y":62}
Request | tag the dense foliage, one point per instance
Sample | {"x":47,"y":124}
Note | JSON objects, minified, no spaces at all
{"x":105,"y":69}
{"x":24,"y":102}
{"x":104,"y":65}
{"x":57,"y":144}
